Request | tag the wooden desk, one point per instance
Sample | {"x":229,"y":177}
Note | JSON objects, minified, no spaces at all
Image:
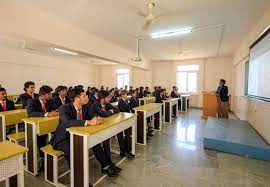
{"x":146,"y":100}
{"x":36,"y":126}
{"x":209,"y":105}
{"x":185,"y":103}
{"x":84,"y":138}
{"x":18,"y":106}
{"x":7,"y":118}
{"x":145,"y":111}
{"x":170,"y":107}
{"x":115,"y":104}
{"x":11,"y":163}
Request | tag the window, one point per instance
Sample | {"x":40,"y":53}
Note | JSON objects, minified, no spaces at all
{"x":187,"y":78}
{"x":122,"y":78}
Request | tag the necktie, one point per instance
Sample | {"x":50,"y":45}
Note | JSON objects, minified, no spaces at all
{"x":4,"y":106}
{"x":104,"y":108}
{"x":44,"y":106}
{"x":79,"y":114}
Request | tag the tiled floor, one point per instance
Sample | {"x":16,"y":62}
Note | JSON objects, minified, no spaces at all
{"x":176,"y":158}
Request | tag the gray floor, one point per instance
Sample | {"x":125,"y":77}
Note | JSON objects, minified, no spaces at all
{"x":176,"y":157}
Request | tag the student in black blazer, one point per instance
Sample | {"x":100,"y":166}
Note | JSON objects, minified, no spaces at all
{"x":5,"y":104}
{"x":29,"y":88}
{"x":104,"y":109}
{"x":141,"y":92}
{"x":133,"y":102}
{"x":125,"y":149}
{"x":160,"y":96}
{"x":42,"y":107}
{"x":93,"y":97}
{"x":62,"y":98}
{"x":146,"y":91}
{"x":174,"y":93}
{"x":78,"y":113}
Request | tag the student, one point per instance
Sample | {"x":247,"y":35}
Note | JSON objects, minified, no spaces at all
{"x":124,"y":143}
{"x":146,"y":91}
{"x":88,"y":91}
{"x":113,"y":96}
{"x":160,"y":96}
{"x":174,"y":93}
{"x":141,"y":92}
{"x":165,"y":95}
{"x":104,"y":109}
{"x":56,"y":91}
{"x":42,"y":107}
{"x":62,"y":98}
{"x":29,"y":88}
{"x":126,"y":88}
{"x":130,"y":89}
{"x":79,"y":113}
{"x":93,"y":97}
{"x":5,"y":104}
{"x":133,"y":102}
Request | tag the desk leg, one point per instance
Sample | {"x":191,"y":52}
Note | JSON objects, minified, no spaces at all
{"x":157,"y":121}
{"x":2,"y":129}
{"x":79,"y":158}
{"x":133,"y":134}
{"x":174,"y":110}
{"x":167,"y":112}
{"x":141,"y":128}
{"x":31,"y":144}
{"x":18,"y":179}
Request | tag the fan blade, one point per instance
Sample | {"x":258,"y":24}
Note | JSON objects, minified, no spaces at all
{"x":147,"y":24}
{"x":140,"y":13}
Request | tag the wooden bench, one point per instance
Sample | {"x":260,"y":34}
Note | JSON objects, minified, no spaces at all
{"x":16,"y":137}
{"x":11,"y":163}
{"x":51,"y":165}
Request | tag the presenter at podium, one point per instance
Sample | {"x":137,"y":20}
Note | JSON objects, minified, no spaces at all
{"x":222,"y":100}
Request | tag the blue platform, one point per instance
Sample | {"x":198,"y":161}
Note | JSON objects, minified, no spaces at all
{"x":236,"y":137}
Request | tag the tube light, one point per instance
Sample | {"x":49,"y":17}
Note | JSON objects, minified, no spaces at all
{"x":171,"y":33}
{"x":64,"y":51}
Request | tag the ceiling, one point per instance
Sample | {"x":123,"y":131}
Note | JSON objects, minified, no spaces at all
{"x":117,"y":22}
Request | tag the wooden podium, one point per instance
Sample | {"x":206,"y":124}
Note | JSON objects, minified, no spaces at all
{"x":209,"y":105}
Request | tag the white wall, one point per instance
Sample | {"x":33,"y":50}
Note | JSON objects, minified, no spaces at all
{"x":211,"y":70}
{"x":257,"y":113}
{"x":19,"y":66}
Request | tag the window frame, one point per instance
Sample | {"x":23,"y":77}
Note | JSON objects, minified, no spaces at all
{"x":187,"y":73}
{"x":122,"y":74}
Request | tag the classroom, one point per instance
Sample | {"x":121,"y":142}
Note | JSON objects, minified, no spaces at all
{"x":135,"y":93}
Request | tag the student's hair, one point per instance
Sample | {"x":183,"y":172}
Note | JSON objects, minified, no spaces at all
{"x":174,"y":87}
{"x":61,"y":88}
{"x":57,"y":89}
{"x":45,"y":90}
{"x":28,"y":84}
{"x":80,"y":86}
{"x":146,"y":87}
{"x":223,"y":81}
{"x":76,"y":92}
{"x":124,"y":92}
{"x":2,"y":89}
{"x":133,"y":92}
{"x":102,"y":95}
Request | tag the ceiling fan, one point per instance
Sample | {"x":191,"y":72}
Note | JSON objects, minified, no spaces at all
{"x":150,"y":17}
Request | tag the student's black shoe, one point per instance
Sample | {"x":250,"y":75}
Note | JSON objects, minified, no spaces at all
{"x":156,"y":128}
{"x":110,"y":172}
{"x":115,"y":168}
{"x":90,"y":185}
{"x":151,"y":130}
{"x":128,"y":155}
